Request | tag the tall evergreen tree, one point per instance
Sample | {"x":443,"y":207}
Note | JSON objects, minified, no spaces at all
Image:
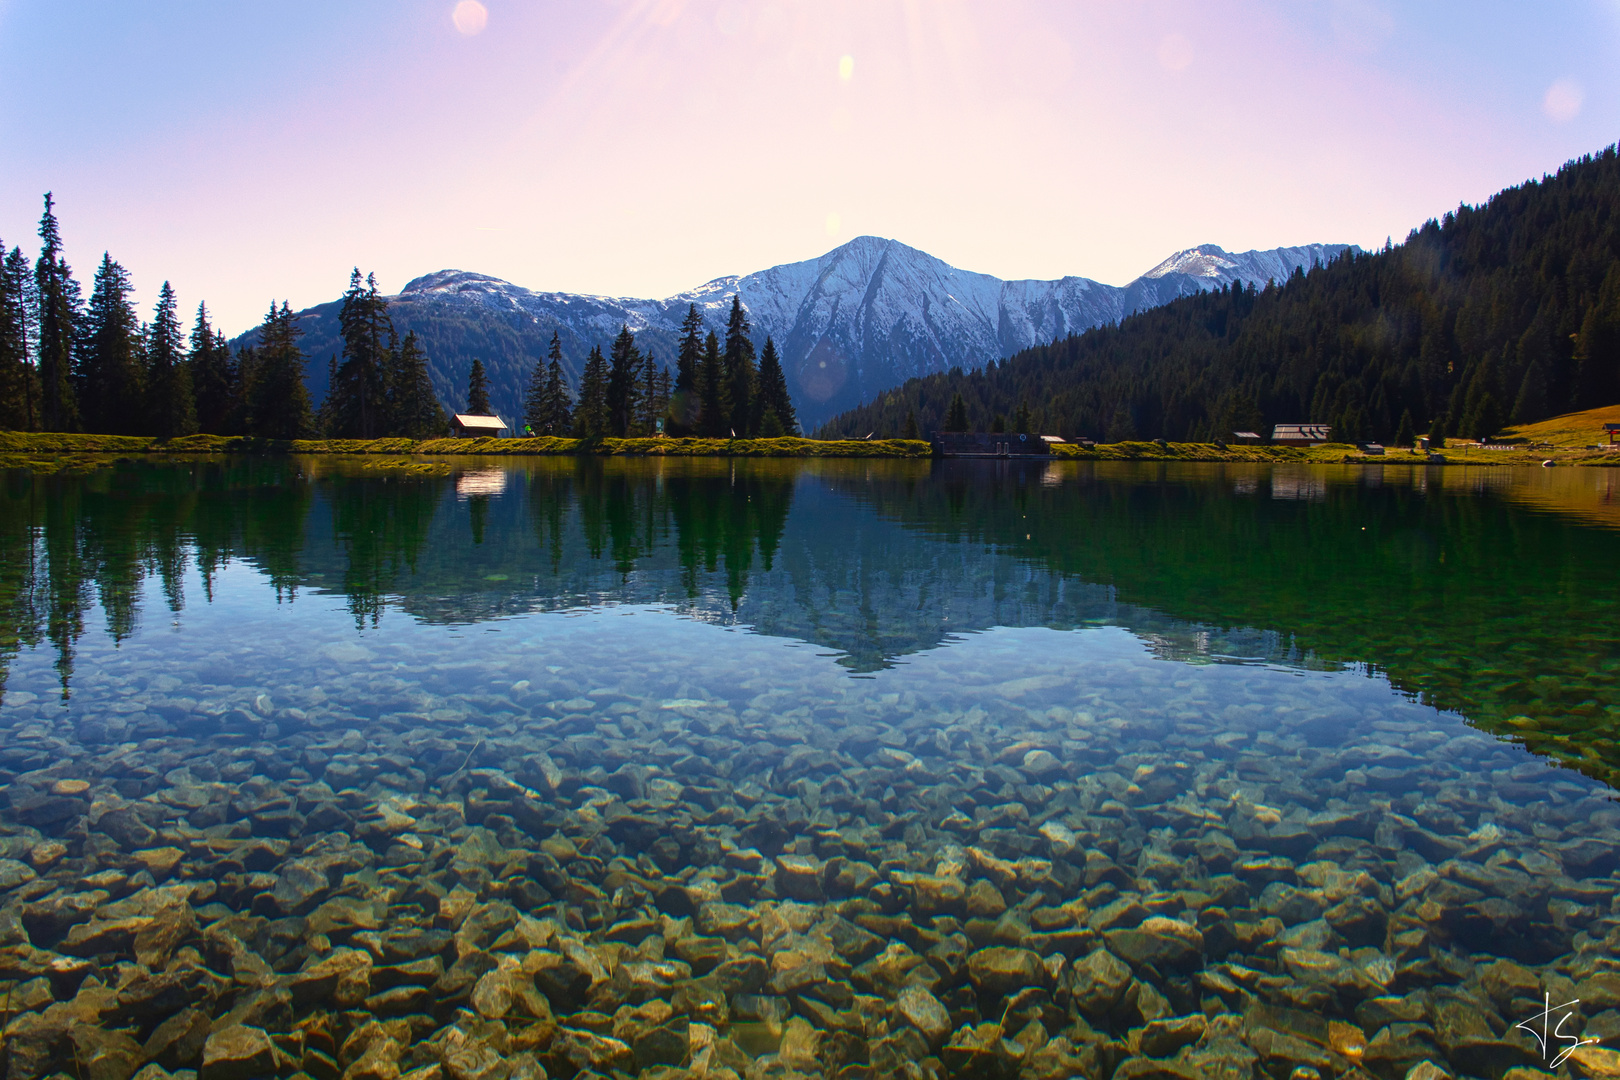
{"x":624,"y":368}
{"x":111,"y":384}
{"x":535,"y":409}
{"x":591,"y":419}
{"x":414,"y":411}
{"x":214,"y":384}
{"x":57,"y":310}
{"x":357,"y":405}
{"x":911,"y":430}
{"x":715,"y":413}
{"x":777,"y":415}
{"x":686,"y":403}
{"x":277,"y":400}
{"x":741,"y":378}
{"x":171,"y":410}
{"x":956,"y":418}
{"x":477,"y":390}
{"x":557,"y":415}
{"x":17,"y":393}
{"x":1406,"y":433}
{"x":652,"y":396}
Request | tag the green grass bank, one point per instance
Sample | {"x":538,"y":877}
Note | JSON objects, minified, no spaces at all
{"x":50,"y":452}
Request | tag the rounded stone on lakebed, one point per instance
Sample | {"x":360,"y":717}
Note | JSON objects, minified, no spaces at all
{"x":1000,"y":970}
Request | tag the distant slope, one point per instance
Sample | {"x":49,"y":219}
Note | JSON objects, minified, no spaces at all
{"x":1508,"y":311}
{"x":1583,"y":428}
{"x":860,"y":319}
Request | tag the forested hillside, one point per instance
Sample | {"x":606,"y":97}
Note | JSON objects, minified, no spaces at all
{"x":1506,"y":312}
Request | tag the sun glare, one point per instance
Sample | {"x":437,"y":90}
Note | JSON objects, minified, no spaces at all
{"x":1563,"y":101}
{"x":470,"y":17}
{"x":846,"y":68}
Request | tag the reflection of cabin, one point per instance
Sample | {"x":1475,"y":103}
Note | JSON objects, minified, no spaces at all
{"x":1246,"y":438}
{"x":1301,"y":434}
{"x":473,"y":425}
{"x":989,"y":444}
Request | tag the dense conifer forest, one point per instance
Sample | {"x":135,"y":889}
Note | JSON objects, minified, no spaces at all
{"x":1501,"y":313}
{"x":70,"y":365}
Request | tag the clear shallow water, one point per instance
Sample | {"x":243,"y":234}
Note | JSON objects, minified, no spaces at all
{"x":822,"y":769}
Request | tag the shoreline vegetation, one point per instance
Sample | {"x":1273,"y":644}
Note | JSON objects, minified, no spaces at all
{"x":46,"y":452}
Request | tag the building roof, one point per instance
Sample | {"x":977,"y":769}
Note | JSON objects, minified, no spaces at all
{"x":477,"y":422}
{"x":1313,"y":432}
{"x":1245,"y":435}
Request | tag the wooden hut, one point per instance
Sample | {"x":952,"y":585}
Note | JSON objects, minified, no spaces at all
{"x":474,"y":425}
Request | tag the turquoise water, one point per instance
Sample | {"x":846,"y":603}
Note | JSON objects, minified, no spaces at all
{"x":817,"y":768}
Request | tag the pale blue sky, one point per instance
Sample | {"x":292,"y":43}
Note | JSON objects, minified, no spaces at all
{"x":639,"y":147}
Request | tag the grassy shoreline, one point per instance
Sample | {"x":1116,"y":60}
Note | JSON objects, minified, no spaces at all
{"x":54,"y":451}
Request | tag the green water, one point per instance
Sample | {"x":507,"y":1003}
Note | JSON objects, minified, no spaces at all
{"x":887,"y":726}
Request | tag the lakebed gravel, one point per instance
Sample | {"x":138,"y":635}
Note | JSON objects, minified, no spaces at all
{"x":492,"y":866}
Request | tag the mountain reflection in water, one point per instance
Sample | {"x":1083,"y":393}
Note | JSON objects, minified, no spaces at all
{"x":1487,"y":591}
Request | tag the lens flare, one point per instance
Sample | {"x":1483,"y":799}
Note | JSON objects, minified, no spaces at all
{"x":834,"y":224}
{"x":1563,"y":100}
{"x":846,"y":67}
{"x":470,"y":17}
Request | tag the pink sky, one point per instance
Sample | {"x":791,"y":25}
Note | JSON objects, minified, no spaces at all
{"x":640,"y":147}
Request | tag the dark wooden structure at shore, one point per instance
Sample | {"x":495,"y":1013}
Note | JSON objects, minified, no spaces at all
{"x":989,"y":444}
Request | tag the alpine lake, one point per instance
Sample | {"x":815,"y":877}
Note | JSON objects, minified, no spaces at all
{"x":500,"y":769}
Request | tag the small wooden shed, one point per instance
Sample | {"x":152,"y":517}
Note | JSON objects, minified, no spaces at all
{"x":474,"y":425}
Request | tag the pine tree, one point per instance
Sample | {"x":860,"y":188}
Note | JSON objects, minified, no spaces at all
{"x":741,"y":378}
{"x":414,"y":411}
{"x":1406,"y":433}
{"x":775,"y":404}
{"x":535,"y":405}
{"x":998,"y":424}
{"x":357,"y":402}
{"x":686,"y":404}
{"x":214,"y":386}
{"x":666,"y":395}
{"x":1533,"y":401}
{"x":17,"y":395}
{"x":277,"y":400}
{"x":1437,"y":434}
{"x":477,"y":390}
{"x":715,"y":413}
{"x":649,"y":404}
{"x":624,"y":367}
{"x":57,"y":311}
{"x":911,"y":431}
{"x":171,"y":410}
{"x":591,"y":419}
{"x":111,"y":384}
{"x":1022,"y":422}
{"x":558,"y":417}
{"x":956,"y":418}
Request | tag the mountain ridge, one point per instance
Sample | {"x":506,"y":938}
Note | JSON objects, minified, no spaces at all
{"x":853,"y":322}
